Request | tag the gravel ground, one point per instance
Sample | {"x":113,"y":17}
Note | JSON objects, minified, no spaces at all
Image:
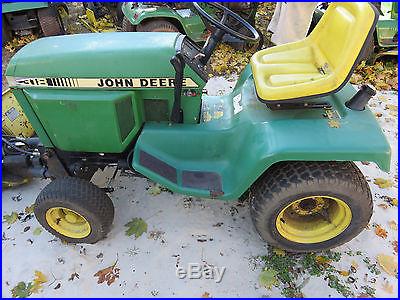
{"x":184,"y":230}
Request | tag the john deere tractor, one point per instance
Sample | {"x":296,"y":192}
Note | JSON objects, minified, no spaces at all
{"x":21,"y":18}
{"x":287,"y":135}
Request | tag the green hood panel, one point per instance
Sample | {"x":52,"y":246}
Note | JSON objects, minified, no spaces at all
{"x":122,"y":54}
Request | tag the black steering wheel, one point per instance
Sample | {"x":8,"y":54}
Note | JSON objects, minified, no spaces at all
{"x":223,"y":25}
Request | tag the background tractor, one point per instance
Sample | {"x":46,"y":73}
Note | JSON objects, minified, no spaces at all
{"x":23,"y":18}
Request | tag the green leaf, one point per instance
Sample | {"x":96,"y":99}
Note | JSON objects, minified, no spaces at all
{"x":37,"y":231}
{"x":155,"y":190}
{"x":268,"y":278}
{"x":11,"y":219}
{"x":22,"y":290}
{"x":137,"y":227}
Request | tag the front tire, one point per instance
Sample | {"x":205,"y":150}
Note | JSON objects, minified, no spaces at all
{"x":75,"y":210}
{"x":310,"y":206}
{"x":157,"y":26}
{"x":50,"y":22}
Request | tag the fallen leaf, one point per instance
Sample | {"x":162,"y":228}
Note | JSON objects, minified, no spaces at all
{"x":155,"y":190}
{"x":137,"y":227}
{"x":381,"y":232}
{"x":383,"y":205}
{"x":37,"y":231}
{"x":395,"y":246}
{"x":383,"y":183}
{"x":29,"y":209}
{"x":387,"y":287}
{"x":344,"y":273}
{"x":395,"y":201}
{"x":38,"y":281}
{"x":354,"y":264}
{"x":73,"y":276}
{"x":364,"y":295}
{"x":267,"y":278}
{"x":322,"y":260}
{"x":205,"y":295}
{"x":11,"y":218}
{"x":22,"y":290}
{"x":393,"y":225}
{"x":109,"y":274}
{"x":378,"y":114}
{"x":57,"y":286}
{"x":388,"y":263}
{"x":279,"y":251}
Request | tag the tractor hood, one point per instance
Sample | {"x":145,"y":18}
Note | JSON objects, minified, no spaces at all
{"x":95,"y":55}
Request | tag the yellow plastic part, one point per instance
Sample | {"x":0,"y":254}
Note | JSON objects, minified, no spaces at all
{"x":13,"y":120}
{"x":313,"y":219}
{"x":321,"y":62}
{"x":68,"y":222}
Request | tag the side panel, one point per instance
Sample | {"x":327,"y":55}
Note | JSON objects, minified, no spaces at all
{"x":95,"y":121}
{"x":221,"y":158}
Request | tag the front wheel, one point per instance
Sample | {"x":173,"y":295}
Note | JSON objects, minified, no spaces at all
{"x":310,"y":206}
{"x":75,"y":210}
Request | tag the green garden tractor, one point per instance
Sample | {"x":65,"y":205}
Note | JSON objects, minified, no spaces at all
{"x":182,"y":17}
{"x":22,"y":18}
{"x":286,"y":137}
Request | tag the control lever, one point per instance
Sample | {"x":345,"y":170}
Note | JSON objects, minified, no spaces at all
{"x":179,"y":65}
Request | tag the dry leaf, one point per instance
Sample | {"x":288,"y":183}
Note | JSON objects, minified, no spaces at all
{"x":395,"y":246}
{"x":29,"y":209}
{"x":383,"y":183}
{"x":322,"y":260}
{"x":381,"y":232}
{"x":205,"y":295}
{"x":109,"y":274}
{"x":38,"y":281}
{"x":354,"y":264}
{"x":155,"y":190}
{"x":393,"y":225}
{"x":388,"y":263}
{"x":387,"y":287}
{"x":279,"y":252}
{"x":383,"y":205}
{"x":344,"y":273}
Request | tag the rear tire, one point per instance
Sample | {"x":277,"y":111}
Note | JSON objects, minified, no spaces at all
{"x":127,"y":26}
{"x":157,"y":26}
{"x":5,"y":31}
{"x":273,"y":196}
{"x":50,"y":22}
{"x":84,"y":200}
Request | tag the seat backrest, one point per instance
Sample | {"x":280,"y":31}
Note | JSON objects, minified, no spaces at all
{"x":342,"y":32}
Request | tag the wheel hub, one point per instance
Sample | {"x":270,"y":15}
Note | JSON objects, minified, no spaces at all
{"x":313,"y":219}
{"x":68,"y":222}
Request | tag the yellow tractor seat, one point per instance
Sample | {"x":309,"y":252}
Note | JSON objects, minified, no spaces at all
{"x":322,"y":62}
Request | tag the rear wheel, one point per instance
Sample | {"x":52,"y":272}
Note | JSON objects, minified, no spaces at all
{"x":157,"y":26}
{"x":310,"y":206}
{"x":50,"y":22}
{"x":74,"y":210}
{"x":127,"y":26}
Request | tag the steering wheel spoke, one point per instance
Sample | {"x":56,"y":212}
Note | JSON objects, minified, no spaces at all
{"x":252,"y":36}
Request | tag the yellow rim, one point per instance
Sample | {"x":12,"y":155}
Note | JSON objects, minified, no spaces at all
{"x":313,"y":219}
{"x":68,"y":222}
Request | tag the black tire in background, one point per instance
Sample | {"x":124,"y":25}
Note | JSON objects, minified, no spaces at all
{"x":5,"y":31}
{"x":50,"y":22}
{"x":82,"y":197}
{"x":285,"y":182}
{"x":157,"y":26}
{"x":127,"y":26}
